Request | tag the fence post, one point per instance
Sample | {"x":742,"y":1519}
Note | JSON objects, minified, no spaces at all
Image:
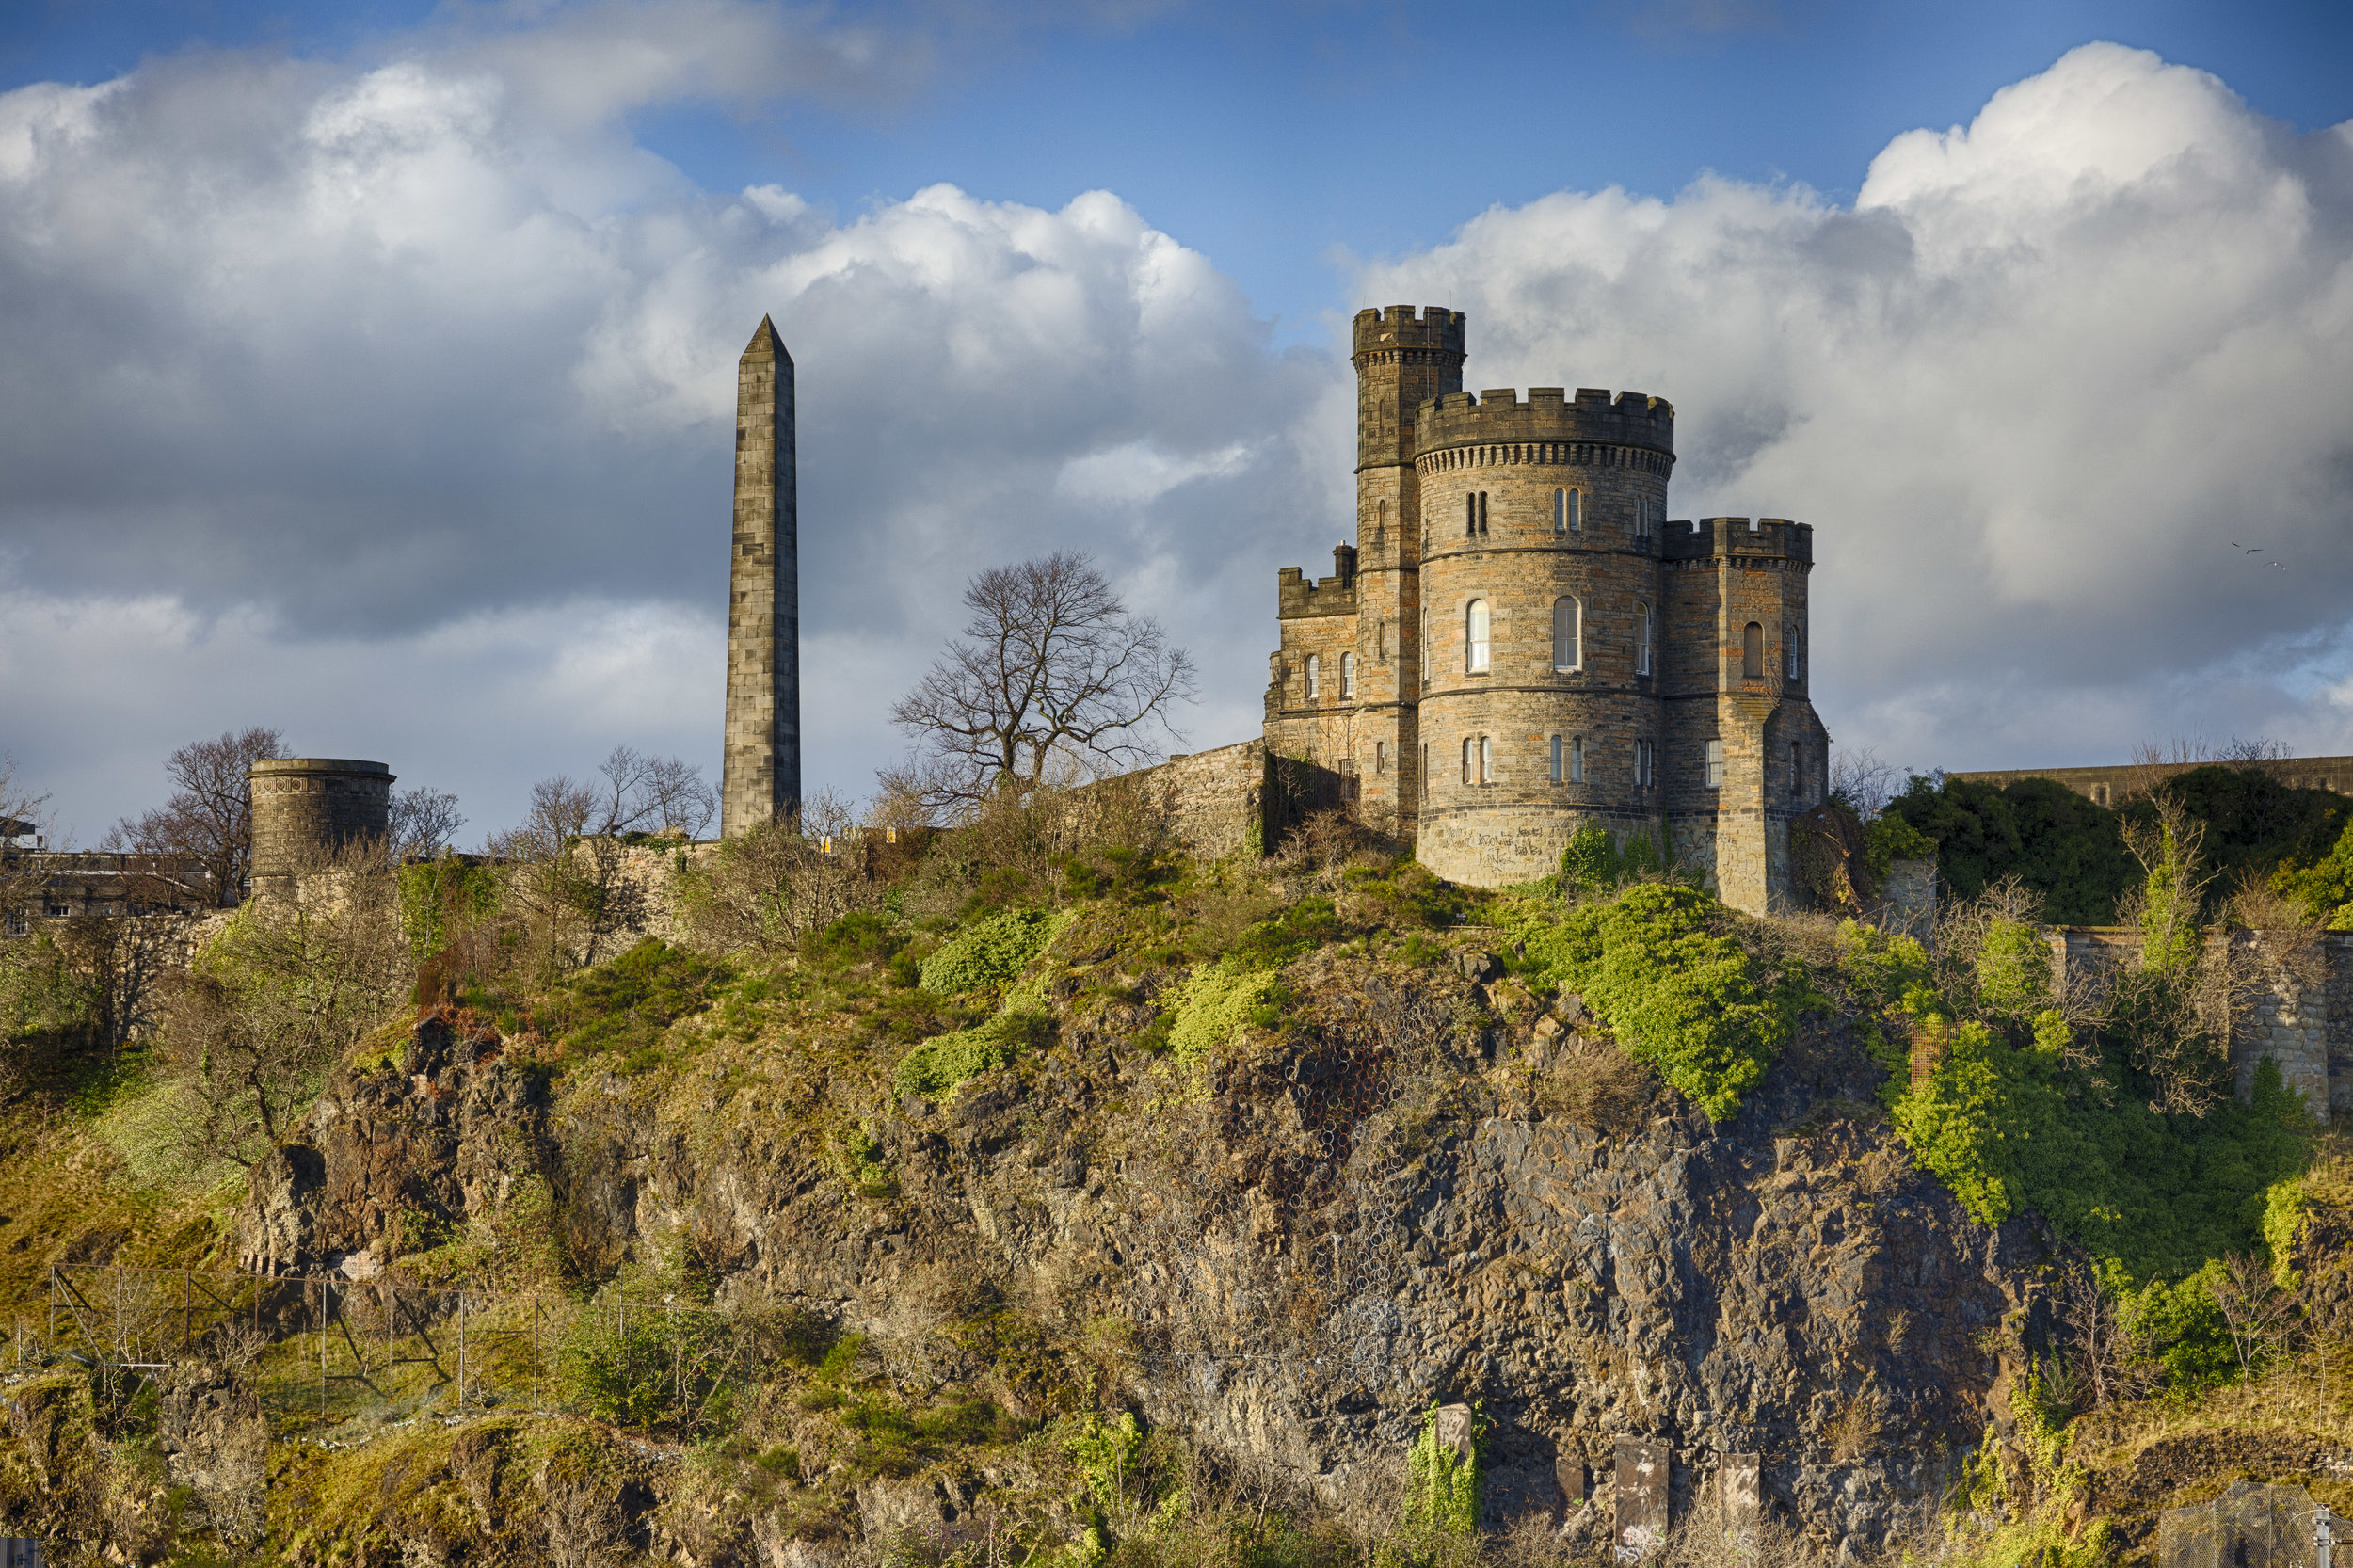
{"x":392,"y":1311}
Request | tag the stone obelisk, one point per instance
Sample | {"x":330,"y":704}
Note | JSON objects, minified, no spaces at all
{"x":760,"y":780}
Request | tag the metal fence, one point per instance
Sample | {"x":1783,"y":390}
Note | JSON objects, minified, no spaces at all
{"x":332,"y":1346}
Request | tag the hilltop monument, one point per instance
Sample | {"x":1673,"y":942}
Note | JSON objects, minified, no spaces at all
{"x":760,"y":775}
{"x":1521,"y":643}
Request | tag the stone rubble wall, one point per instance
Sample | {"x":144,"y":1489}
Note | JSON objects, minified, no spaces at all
{"x":2306,"y":1030}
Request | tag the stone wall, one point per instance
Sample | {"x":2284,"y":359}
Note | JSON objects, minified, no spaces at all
{"x":2306,"y":1030}
{"x":1217,"y":797}
{"x":2110,"y":786}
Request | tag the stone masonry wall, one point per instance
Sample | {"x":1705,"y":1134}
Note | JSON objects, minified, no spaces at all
{"x":2308,"y":1031}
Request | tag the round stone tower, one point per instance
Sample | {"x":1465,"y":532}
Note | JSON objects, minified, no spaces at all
{"x":306,"y":808}
{"x":1542,"y":623}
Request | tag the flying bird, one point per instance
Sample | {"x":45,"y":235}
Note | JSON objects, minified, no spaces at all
{"x":2248,"y":549}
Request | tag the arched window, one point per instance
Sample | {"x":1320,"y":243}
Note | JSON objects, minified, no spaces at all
{"x":1642,"y":638}
{"x":1348,"y":678}
{"x":1752,"y":653}
{"x":1577,"y":760}
{"x":1425,"y":770}
{"x":1467,"y":758}
{"x":1568,"y":635}
{"x":1641,"y":518}
{"x":1797,"y":769}
{"x":1475,"y":636}
{"x":1486,"y":761}
{"x":1643,"y":765}
{"x":1471,"y":513}
{"x":1790,"y":636}
{"x":1315,"y":676}
{"x":1380,"y":526}
{"x":1556,"y":760}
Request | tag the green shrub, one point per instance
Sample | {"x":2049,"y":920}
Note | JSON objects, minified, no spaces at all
{"x":1678,"y":993}
{"x":1442,"y":1486}
{"x":939,"y":1064}
{"x":1294,"y":931}
{"x":990,"y":952}
{"x":443,"y":900}
{"x":2181,"y":1326}
{"x":1887,"y":839}
{"x":862,"y":936}
{"x":1595,"y":861}
{"x":625,"y":1004}
{"x":1216,"y":1004}
{"x":2009,"y":1128}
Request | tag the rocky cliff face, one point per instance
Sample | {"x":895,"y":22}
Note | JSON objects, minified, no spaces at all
{"x":1416,"y":1195}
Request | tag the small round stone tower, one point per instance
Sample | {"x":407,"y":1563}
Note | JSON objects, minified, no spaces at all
{"x":1543,"y":615}
{"x":306,"y":808}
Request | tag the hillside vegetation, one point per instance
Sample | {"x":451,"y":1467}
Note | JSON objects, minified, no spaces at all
{"x":1030,"y":1193}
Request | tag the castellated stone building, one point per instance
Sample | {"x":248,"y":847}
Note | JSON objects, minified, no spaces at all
{"x":1521,"y":641}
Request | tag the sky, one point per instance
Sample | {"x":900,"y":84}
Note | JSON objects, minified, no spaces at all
{"x":367,"y":367}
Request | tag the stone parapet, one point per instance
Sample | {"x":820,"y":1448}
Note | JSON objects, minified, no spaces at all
{"x":1549,"y":419}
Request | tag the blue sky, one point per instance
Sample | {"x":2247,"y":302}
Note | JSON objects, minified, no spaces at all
{"x":1274,"y":137}
{"x":368,"y":363}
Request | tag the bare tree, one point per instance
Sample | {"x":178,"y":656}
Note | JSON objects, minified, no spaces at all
{"x":765,"y":888}
{"x":274,"y":1002}
{"x":23,"y":827}
{"x":1051,"y":663}
{"x":2258,"y":1314}
{"x":1861,"y":779}
{"x":208,"y":821}
{"x":424,"y":821}
{"x":565,"y":862}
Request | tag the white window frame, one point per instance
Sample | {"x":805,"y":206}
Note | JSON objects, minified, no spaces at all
{"x":1467,"y":758}
{"x":1577,"y":636}
{"x":1556,"y":760}
{"x":1348,"y":678}
{"x":1715,"y":764}
{"x":1315,"y":678}
{"x":1645,"y":764}
{"x":1642,"y":637}
{"x":1478,"y":637}
{"x":1486,"y":760}
{"x":1577,"y":760}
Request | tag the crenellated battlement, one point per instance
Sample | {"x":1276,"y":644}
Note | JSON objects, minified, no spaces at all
{"x":1547,"y":416}
{"x":1719,"y":538}
{"x":1438,"y":331}
{"x":1298,"y":595}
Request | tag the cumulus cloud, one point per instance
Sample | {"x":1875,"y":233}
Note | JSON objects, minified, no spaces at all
{"x":387,"y":357}
{"x":391,"y":404}
{"x":2028,"y":387}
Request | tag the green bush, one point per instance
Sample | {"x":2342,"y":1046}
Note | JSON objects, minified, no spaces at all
{"x":1299,"y":930}
{"x":443,"y":900}
{"x":2009,"y":1128}
{"x":1678,"y":994}
{"x":2072,"y":851}
{"x":1887,"y":839}
{"x":990,"y":952}
{"x":1596,"y":861}
{"x":1214,"y":1005}
{"x":626,"y":1003}
{"x":939,"y":1064}
{"x":1442,"y":1486}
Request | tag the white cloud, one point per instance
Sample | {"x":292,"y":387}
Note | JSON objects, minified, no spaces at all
{"x":2027,"y":388}
{"x":392,"y":405}
{"x":380,"y":373}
